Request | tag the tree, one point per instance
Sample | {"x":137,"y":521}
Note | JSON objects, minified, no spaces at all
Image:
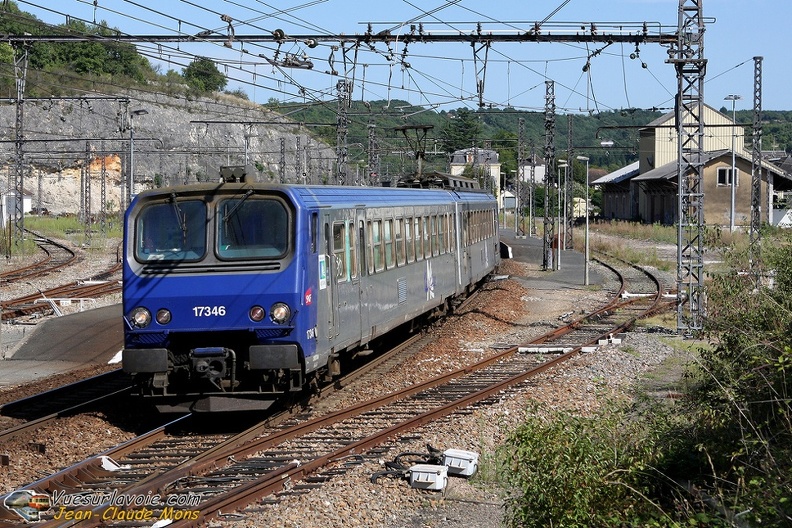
{"x":203,"y":76}
{"x":460,"y":130}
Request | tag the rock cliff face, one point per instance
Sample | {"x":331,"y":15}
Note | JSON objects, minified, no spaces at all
{"x":176,"y":141}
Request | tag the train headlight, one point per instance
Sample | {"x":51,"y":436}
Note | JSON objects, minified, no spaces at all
{"x":140,"y":317}
{"x":163,"y":316}
{"x":280,"y":313}
{"x":257,"y":313}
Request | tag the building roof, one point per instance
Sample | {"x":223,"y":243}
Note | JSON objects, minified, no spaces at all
{"x":665,"y":118}
{"x":669,"y":170}
{"x":478,"y":156}
{"x":625,"y":173}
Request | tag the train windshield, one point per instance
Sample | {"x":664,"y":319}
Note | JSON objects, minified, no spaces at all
{"x":252,"y":228}
{"x":171,"y":231}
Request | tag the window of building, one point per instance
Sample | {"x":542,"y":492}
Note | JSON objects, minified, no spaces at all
{"x":725,"y":176}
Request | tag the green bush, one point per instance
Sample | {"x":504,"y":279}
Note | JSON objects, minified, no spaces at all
{"x":569,"y":470}
{"x":741,"y":408}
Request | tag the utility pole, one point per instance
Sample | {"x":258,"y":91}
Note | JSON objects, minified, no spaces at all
{"x":733,"y":176}
{"x":569,"y":180}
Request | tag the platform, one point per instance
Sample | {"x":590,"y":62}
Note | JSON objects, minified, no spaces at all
{"x":61,"y":344}
{"x":570,"y":273}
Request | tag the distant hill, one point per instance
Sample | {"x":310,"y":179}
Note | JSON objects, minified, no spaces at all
{"x":500,"y":128}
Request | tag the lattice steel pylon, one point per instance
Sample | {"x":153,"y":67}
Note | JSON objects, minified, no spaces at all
{"x":687,"y":55}
{"x":282,"y":163}
{"x":20,"y":71}
{"x":344,"y":88}
{"x":754,"y":235}
{"x":86,"y":191}
{"x":373,"y":158}
{"x":103,"y":192}
{"x":298,"y":170}
{"x":549,"y":221}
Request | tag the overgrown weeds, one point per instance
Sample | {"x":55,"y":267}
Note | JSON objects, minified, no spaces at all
{"x":721,"y":457}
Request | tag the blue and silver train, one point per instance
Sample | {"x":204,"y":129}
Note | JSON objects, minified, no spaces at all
{"x":236,"y":293}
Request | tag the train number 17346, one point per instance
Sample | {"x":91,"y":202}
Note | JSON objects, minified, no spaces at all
{"x":209,"y":311}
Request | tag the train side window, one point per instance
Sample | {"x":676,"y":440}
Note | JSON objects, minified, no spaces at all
{"x":443,"y":229}
{"x":351,"y":249}
{"x":452,"y":232}
{"x":490,"y":224}
{"x":417,"y":233}
{"x":440,"y":237}
{"x":313,"y":227}
{"x":398,"y":236}
{"x":494,"y":222}
{"x":466,"y":228}
{"x":376,"y":245}
{"x":363,"y":241}
{"x":340,"y":251}
{"x":433,"y":229}
{"x":408,"y":239}
{"x":388,"y":238}
{"x":427,"y":240}
{"x":369,"y":250}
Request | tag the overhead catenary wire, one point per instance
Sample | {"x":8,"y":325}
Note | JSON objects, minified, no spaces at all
{"x":300,"y":88}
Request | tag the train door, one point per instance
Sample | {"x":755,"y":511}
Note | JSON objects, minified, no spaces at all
{"x":365,"y":328}
{"x":326,"y":282}
{"x":344,"y":277}
{"x":462,"y":246}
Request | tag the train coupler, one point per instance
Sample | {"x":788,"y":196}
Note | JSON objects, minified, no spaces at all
{"x":212,"y":363}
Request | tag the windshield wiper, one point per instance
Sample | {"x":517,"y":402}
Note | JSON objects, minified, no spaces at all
{"x":180,"y":216}
{"x":237,"y":205}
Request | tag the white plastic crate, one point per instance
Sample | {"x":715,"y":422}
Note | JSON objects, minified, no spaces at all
{"x":428,"y":476}
{"x":460,"y":463}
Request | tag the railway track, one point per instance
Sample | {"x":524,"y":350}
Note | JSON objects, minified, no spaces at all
{"x":56,"y":256}
{"x":204,"y":475}
{"x":74,"y":398}
{"x":48,"y":299}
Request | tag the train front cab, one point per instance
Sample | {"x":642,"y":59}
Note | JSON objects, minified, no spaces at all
{"x":239,"y":320}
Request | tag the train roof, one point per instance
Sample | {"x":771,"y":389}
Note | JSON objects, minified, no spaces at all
{"x":323,"y":195}
{"x":385,"y":196}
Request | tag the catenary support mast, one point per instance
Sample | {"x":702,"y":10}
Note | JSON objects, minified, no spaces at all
{"x":688,"y":59}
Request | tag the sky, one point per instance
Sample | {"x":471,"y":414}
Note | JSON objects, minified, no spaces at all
{"x":444,"y":76}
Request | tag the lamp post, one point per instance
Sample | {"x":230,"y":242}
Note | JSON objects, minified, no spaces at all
{"x":131,"y":182}
{"x":733,"y":176}
{"x":586,"y":211}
